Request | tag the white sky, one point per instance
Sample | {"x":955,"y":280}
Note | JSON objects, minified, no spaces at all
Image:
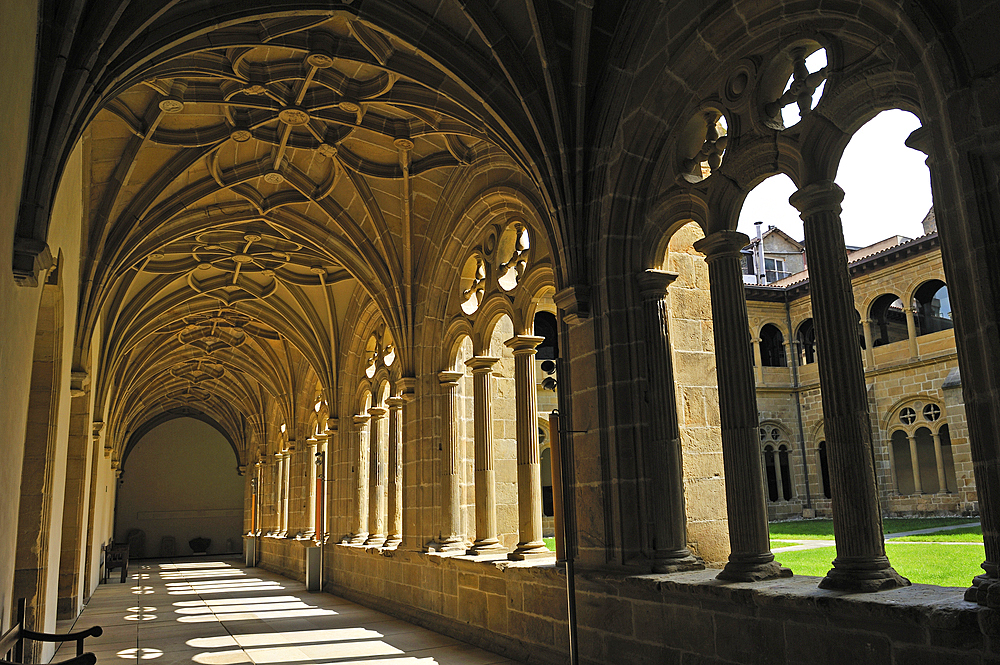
{"x":886,"y":185}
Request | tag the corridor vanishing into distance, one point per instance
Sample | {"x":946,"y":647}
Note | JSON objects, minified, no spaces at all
{"x":215,"y":612}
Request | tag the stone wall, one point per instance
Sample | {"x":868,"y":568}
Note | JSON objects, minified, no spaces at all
{"x":519,"y":610}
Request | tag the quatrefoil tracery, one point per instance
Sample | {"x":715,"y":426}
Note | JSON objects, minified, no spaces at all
{"x":803,"y":85}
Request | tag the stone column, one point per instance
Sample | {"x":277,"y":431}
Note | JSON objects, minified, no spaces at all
{"x":311,"y":494}
{"x":911,"y":329}
{"x":777,"y":474}
{"x":939,"y":460}
{"x":790,"y":353}
{"x":751,"y":558}
{"x":395,"y":510}
{"x":377,"y":478}
{"x":973,"y":289}
{"x":529,"y":468}
{"x":486,"y":488}
{"x":663,"y":460}
{"x":286,"y":457}
{"x":866,"y":327}
{"x":758,"y":359}
{"x":359,"y":530}
{"x":451,"y":538}
{"x":861,"y":564}
{"x":915,"y":464}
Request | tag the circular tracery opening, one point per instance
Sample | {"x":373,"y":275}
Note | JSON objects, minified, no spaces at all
{"x":473,"y":283}
{"x":512,"y":252}
{"x":703,"y":144}
{"x":803,"y":69}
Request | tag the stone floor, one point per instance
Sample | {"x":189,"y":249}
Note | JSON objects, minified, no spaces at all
{"x":214,"y":612}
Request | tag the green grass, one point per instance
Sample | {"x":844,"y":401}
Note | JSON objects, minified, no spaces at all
{"x":943,"y":565}
{"x":972,"y":534}
{"x":823,"y":529}
{"x":550,"y":543}
{"x":783,"y":543}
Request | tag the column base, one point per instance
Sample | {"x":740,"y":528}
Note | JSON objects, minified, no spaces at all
{"x":356,"y":538}
{"x":985,"y":591}
{"x":862,"y":574}
{"x":375,"y":540}
{"x":447,"y":544}
{"x":486,"y":546}
{"x":533,"y":550}
{"x":393,"y":541}
{"x":753,"y":569}
{"x":676,"y":562}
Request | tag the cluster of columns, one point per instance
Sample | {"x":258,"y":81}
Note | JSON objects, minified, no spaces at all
{"x":377,"y":519}
{"x":861,"y":564}
{"x":529,"y":487}
{"x":915,"y":463}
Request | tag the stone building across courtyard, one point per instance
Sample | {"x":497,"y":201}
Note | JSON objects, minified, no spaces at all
{"x":301,"y":279}
{"x":923,"y":460}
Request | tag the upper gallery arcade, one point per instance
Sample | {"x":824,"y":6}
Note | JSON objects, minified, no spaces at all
{"x":373,"y":244}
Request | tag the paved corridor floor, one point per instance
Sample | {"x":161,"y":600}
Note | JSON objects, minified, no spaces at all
{"x":214,"y":612}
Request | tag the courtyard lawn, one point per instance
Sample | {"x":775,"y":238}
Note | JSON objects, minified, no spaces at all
{"x":823,"y":529}
{"x":940,"y":564}
{"x":972,"y":534}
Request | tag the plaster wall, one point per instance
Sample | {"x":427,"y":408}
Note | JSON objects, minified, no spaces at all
{"x":18,"y":306}
{"x":180,"y":480}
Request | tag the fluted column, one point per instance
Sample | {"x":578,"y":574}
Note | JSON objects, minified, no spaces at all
{"x":663,"y":459}
{"x":861,"y":564}
{"x":911,"y":329}
{"x":529,"y":468}
{"x":939,"y":461}
{"x":866,"y":327}
{"x":451,"y":538}
{"x":311,"y":492}
{"x":751,"y":558}
{"x":395,"y":508}
{"x":360,"y":464}
{"x":486,"y":488}
{"x":377,"y":482}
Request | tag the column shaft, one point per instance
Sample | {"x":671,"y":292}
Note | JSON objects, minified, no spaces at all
{"x":486,"y":493}
{"x":751,"y":558}
{"x":911,"y":329}
{"x":311,"y":492}
{"x":939,"y":461}
{"x":861,"y":564}
{"x":915,"y":465}
{"x":663,"y":458}
{"x":451,"y":537}
{"x":378,"y":466}
{"x":360,"y":464}
{"x":395,"y":508}
{"x":529,"y":468}
{"x":866,"y":326}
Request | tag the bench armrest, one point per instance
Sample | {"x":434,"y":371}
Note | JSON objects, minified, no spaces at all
{"x":78,"y":637}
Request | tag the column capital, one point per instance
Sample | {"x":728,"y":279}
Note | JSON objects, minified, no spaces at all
{"x":480,"y":364}
{"x":523,"y":344}
{"x":332,"y":424}
{"x":396,"y":402}
{"x":362,"y":419}
{"x":822,"y":196}
{"x":407,"y":387}
{"x":722,"y":244}
{"x":377,"y":412}
{"x":450,"y":378}
{"x":653,"y":283}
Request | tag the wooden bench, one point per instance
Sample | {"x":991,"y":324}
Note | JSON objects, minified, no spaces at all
{"x":116,"y":556}
{"x":12,"y":642}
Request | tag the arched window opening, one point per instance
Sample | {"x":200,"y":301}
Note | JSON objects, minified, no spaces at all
{"x":770,"y":473}
{"x":545,"y":326}
{"x":927,"y":461}
{"x":807,"y":342}
{"x":772,"y":346}
{"x":932,"y":308}
{"x":888,"y":320}
{"x":824,"y":470}
{"x":901,"y":462}
{"x":786,"y":473}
